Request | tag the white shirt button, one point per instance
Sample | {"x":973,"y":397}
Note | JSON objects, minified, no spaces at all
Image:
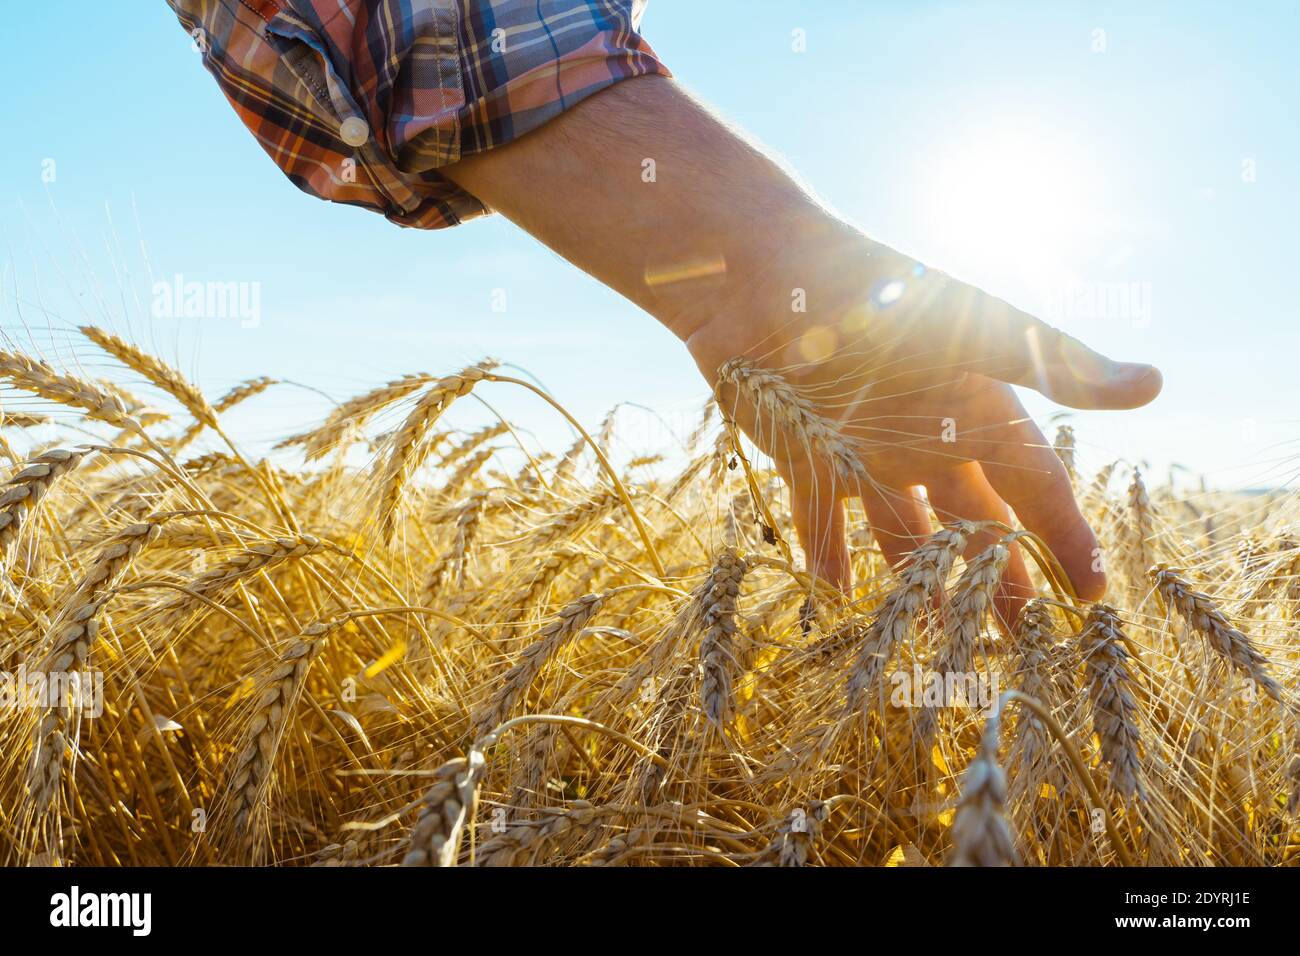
{"x":354,"y":131}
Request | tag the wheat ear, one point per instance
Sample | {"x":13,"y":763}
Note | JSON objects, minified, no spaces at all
{"x":573,"y":522}
{"x":468,"y":515}
{"x":1114,"y":708}
{"x":1063,"y":445}
{"x":965,"y":617}
{"x":980,"y":832}
{"x":1042,"y":675}
{"x":40,"y":379}
{"x":795,"y":837}
{"x":156,"y":372}
{"x":467,"y":469}
{"x":411,"y":444}
{"x":350,"y":416}
{"x":472,"y":443}
{"x":253,"y":557}
{"x":1139,"y":505}
{"x":567,"y":625}
{"x":24,"y":491}
{"x":1204,"y":617}
{"x":525,"y":840}
{"x":717,"y":651}
{"x":923,"y":577}
{"x":777,"y":401}
{"x":554,"y":563}
{"x":430,"y":841}
{"x":75,"y":628}
{"x":254,"y":765}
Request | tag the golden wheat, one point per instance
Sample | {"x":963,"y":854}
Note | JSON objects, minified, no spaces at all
{"x":475,"y":653}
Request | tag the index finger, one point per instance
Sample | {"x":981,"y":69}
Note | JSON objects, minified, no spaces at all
{"x":962,"y":327}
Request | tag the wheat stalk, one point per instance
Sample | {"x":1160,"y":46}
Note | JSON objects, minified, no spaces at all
{"x":1293,"y":781}
{"x":240,"y":393}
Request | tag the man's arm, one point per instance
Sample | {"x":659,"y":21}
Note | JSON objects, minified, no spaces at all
{"x":714,"y":246}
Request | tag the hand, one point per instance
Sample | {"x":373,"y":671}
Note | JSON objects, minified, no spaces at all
{"x":914,"y":370}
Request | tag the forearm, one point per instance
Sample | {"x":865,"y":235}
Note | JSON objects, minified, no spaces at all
{"x":652,"y":194}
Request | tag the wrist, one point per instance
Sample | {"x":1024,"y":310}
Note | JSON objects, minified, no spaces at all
{"x":799,"y":303}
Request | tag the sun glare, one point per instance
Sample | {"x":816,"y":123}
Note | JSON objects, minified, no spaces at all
{"x":1011,"y":205}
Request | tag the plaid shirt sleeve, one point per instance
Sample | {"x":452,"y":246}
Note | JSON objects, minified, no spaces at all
{"x":361,"y":101}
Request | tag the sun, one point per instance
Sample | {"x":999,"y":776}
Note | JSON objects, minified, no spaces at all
{"x":1012,"y":204}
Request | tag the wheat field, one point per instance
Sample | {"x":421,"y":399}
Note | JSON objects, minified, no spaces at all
{"x":379,"y":646}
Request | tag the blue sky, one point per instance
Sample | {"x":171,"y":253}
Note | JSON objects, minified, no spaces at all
{"x":1058,"y":154}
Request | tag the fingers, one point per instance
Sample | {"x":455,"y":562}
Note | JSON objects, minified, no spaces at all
{"x":818,"y":513}
{"x":898,"y":521}
{"x":981,"y":333}
{"x":964,"y":492}
{"x":1029,"y":476}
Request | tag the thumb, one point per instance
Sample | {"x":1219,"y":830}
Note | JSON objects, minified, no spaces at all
{"x":978,"y":332}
